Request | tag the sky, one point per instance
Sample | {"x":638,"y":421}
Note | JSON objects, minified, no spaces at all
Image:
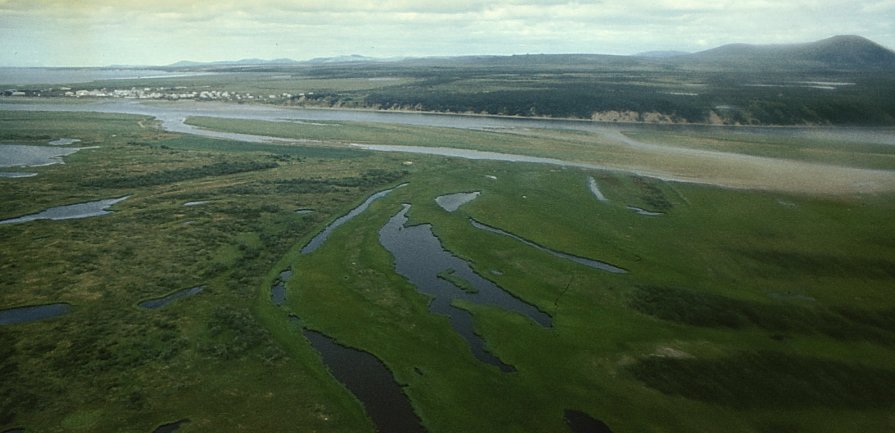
{"x":161,"y":32}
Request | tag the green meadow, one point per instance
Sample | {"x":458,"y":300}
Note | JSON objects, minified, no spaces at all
{"x":757,"y":306}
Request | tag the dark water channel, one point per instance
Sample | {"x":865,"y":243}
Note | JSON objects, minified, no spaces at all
{"x":33,"y":313}
{"x":581,"y":422}
{"x":321,"y":237}
{"x":165,"y":300}
{"x":278,"y":290}
{"x":371,"y":382}
{"x":580,"y":260}
{"x":171,"y":427}
{"x":420,"y":258}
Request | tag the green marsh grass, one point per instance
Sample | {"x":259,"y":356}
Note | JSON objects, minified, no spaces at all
{"x":725,"y":285}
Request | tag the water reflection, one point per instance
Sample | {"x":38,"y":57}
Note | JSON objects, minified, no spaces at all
{"x":33,"y":313}
{"x":420,"y":258}
{"x":73,"y":211}
{"x":321,"y":237}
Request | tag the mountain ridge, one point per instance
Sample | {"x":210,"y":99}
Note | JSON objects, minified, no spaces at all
{"x":842,"y":51}
{"x":838,"y":52}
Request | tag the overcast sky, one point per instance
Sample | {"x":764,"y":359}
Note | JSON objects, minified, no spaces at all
{"x":159,"y":32}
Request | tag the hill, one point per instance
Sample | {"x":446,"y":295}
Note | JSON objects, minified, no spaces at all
{"x":838,"y":52}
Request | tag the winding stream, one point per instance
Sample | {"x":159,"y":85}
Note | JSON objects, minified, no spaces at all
{"x":371,"y":382}
{"x":321,"y":237}
{"x":420,"y":258}
{"x":596,"y":264}
{"x":278,"y":290}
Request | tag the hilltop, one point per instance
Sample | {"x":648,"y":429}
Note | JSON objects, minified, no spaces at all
{"x":840,"y":52}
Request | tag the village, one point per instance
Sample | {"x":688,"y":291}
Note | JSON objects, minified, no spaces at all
{"x":165,"y":93}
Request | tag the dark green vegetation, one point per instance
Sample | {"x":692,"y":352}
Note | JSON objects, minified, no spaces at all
{"x":743,"y":311}
{"x":111,"y":366}
{"x":840,"y":81}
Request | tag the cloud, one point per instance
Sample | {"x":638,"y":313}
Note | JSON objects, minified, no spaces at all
{"x":163,"y":31}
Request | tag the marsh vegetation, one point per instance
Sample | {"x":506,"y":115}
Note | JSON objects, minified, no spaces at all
{"x":760,"y":305}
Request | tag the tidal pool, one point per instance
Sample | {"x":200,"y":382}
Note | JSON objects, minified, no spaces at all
{"x":321,"y":237}
{"x":33,"y":313}
{"x":72,"y":211}
{"x":581,"y":422}
{"x":19,"y":155}
{"x":580,"y":260}
{"x":420,"y":258}
{"x":452,"y":202}
{"x":165,"y":300}
{"x":371,"y":382}
{"x":278,"y":290}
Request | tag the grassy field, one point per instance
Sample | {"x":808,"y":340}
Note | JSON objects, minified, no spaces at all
{"x":744,"y":310}
{"x":731,"y":296}
{"x":110,"y":366}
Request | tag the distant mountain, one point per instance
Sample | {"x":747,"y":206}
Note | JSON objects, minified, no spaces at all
{"x":243,"y":62}
{"x":839,"y":52}
{"x":342,"y":59}
{"x":661,"y":54}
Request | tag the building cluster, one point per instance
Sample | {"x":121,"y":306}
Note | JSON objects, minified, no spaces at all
{"x":157,"y":93}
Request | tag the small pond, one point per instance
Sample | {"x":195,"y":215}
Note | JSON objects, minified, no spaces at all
{"x":171,"y":427}
{"x":165,"y":300}
{"x":321,"y":237}
{"x":72,"y":211}
{"x":278,"y":290}
{"x":580,"y":260}
{"x":581,"y":422}
{"x":18,"y":155}
{"x":195,"y":203}
{"x":33,"y":313}
{"x":371,"y":382}
{"x":452,"y":202}
{"x":420,"y":258}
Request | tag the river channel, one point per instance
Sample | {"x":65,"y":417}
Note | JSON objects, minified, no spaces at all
{"x":371,"y":382}
{"x":420,"y":257}
{"x":800,"y":176}
{"x":172,"y":113}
